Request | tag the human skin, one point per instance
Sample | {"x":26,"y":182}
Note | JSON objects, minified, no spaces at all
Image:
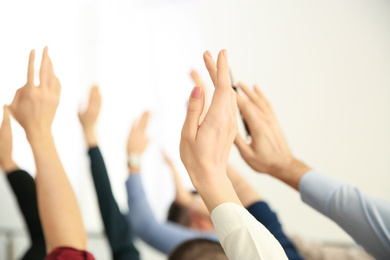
{"x":34,"y":108}
{"x":205,"y":146}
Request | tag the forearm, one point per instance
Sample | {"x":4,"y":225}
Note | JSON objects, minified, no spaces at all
{"x":162,"y":236}
{"x":365,"y":219}
{"x":245,"y":192}
{"x":242,"y":236}
{"x":58,"y":208}
{"x":90,"y":136}
{"x":291,"y":173}
{"x":8,"y":165}
{"x":263,"y":213}
{"x":216,"y":191}
{"x":117,"y":229}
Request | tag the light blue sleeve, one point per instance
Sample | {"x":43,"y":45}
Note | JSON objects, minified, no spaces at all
{"x":364,"y":218}
{"x":162,"y":236}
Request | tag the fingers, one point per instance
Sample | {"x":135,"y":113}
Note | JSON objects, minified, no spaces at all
{"x":167,"y":159}
{"x":222,"y":70}
{"x":242,"y":146}
{"x":30,"y":69}
{"x":211,"y":67}
{"x":223,"y":102}
{"x":44,"y":76}
{"x":94,"y":98}
{"x":194,"y":111}
{"x":143,"y":122}
{"x":265,"y":101}
{"x":249,"y":93}
{"x":197,"y":80}
{"x":6,"y":118}
{"x":240,"y":101}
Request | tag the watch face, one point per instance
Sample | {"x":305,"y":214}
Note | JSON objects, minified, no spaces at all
{"x":134,"y":160}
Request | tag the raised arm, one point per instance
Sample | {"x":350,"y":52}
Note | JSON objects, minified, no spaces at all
{"x":183,"y":196}
{"x":162,"y":236}
{"x":204,"y":150}
{"x":365,"y":218}
{"x":245,"y":192}
{"x":252,"y":201}
{"x":34,"y":107}
{"x":117,"y":229}
{"x":89,"y":116}
{"x":23,"y":186}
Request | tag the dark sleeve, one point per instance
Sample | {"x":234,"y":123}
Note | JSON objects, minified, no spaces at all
{"x":118,"y":231}
{"x":23,"y":186}
{"x":262,"y":212}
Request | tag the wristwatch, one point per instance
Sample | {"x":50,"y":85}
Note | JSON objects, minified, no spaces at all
{"x":134,"y":160}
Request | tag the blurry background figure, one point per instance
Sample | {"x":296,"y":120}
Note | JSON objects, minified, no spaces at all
{"x":324,"y":67}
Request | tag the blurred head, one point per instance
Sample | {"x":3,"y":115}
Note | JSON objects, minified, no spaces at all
{"x":198,"y":249}
{"x":188,"y":218}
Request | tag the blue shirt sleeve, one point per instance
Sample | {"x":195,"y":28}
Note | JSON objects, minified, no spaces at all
{"x":162,"y":236}
{"x":364,"y":218}
{"x":263,"y":213}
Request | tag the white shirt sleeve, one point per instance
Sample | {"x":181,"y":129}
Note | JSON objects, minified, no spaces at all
{"x":242,"y":236}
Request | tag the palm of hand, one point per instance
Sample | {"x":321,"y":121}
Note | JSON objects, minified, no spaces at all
{"x":34,"y":107}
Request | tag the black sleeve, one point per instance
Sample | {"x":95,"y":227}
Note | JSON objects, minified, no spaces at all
{"x":23,"y":186}
{"x":262,"y":212}
{"x":117,"y":228}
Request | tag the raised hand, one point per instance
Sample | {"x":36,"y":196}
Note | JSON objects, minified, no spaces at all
{"x":137,"y":142}
{"x":6,"y":161}
{"x":268,"y":151}
{"x":89,"y":116}
{"x":183,"y":196}
{"x":205,"y":148}
{"x":34,"y":107}
{"x":198,"y":82}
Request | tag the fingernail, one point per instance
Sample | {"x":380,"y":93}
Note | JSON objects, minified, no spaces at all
{"x":225,"y":53}
{"x":209,"y":54}
{"x":196,"y":92}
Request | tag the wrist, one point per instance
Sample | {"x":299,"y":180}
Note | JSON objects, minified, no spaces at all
{"x":134,"y":163}
{"x":90,"y":136}
{"x":291,"y":173}
{"x":215,"y":189}
{"x":8,"y":165}
{"x":39,"y":138}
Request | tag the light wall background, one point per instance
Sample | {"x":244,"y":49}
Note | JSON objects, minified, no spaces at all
{"x":324,"y":66}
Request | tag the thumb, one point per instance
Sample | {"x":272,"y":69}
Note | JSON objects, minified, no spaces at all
{"x":6,"y":119}
{"x":242,"y":146}
{"x":194,"y":110}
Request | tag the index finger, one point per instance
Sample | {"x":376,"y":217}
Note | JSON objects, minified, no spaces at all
{"x":222,"y":70}
{"x":143,"y":122}
{"x":30,"y":69}
{"x":44,"y":74}
{"x":211,"y":67}
{"x":197,"y":80}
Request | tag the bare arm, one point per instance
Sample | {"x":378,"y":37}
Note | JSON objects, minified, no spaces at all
{"x":183,"y":196}
{"x":34,"y":107}
{"x":7,"y":163}
{"x":245,"y":192}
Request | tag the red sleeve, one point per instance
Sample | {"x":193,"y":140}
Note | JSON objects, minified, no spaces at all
{"x":67,"y":253}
